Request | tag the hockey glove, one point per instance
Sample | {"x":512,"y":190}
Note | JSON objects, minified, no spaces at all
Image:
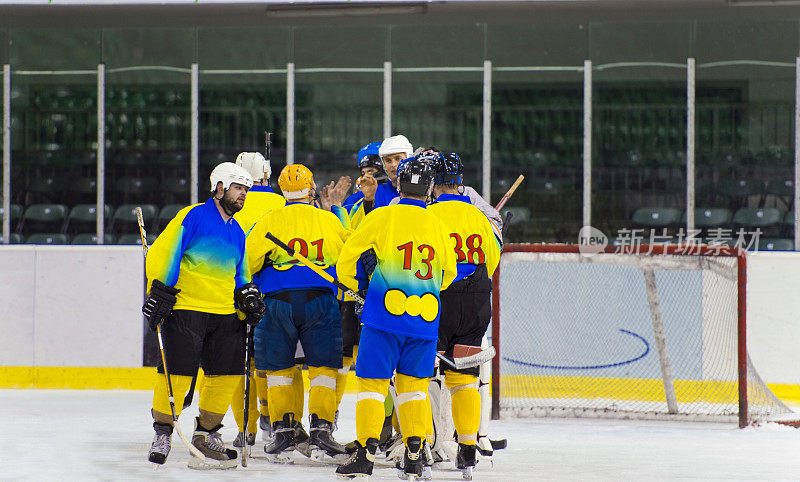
{"x":248,"y":299}
{"x":159,"y":303}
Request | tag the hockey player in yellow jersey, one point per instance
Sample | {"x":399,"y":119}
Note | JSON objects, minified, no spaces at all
{"x":300,"y":306}
{"x":466,"y":308}
{"x":197,"y":277}
{"x":261,"y":199}
{"x":400,"y":316}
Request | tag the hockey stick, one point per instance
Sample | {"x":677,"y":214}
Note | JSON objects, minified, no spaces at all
{"x":187,"y":400}
{"x":245,"y":445}
{"x":194,"y":450}
{"x":510,"y":191}
{"x":299,"y":257}
{"x":509,"y":215}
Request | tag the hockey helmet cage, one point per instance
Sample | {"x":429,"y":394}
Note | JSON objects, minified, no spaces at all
{"x":414,"y":177}
{"x":228,"y":173}
{"x":255,"y":163}
{"x":296,"y":181}
{"x":395,"y":144}
{"x":448,"y":168}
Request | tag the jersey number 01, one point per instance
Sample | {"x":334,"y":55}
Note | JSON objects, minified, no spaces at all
{"x":408,"y":248}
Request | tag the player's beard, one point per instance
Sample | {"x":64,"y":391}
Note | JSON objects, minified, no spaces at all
{"x":230,"y":205}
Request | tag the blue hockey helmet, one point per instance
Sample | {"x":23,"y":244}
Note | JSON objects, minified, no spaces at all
{"x":368,"y":156}
{"x":448,"y":169}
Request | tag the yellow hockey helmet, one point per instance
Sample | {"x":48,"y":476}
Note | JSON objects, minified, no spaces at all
{"x":296,"y":181}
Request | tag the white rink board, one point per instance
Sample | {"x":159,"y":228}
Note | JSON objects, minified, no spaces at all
{"x":80,"y":306}
{"x":71,"y":306}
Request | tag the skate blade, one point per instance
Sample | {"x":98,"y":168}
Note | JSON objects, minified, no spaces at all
{"x":466,"y":474}
{"x":284,"y":458}
{"x":323,"y":457}
{"x":304,"y":449}
{"x":351,"y":476}
{"x":197,"y":463}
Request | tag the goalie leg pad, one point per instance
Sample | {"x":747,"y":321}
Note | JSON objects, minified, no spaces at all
{"x":370,"y":408}
{"x":466,"y":405}
{"x":413,"y":406}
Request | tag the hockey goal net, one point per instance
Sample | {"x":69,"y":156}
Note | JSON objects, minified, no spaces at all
{"x":630,"y":332}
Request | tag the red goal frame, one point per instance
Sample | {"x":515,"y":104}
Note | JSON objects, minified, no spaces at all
{"x":645,"y":249}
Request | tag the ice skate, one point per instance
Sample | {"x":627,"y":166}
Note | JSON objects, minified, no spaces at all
{"x":279,"y":451}
{"x":209,"y":443}
{"x":465,"y":460}
{"x":162,"y":442}
{"x":301,"y":439}
{"x":414,"y":465}
{"x":239,"y":440}
{"x":361,"y":462}
{"x":266,"y":428}
{"x":322,"y":445}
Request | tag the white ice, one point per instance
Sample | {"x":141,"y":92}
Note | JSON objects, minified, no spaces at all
{"x":105,"y":435}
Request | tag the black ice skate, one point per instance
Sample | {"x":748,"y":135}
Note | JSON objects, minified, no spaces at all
{"x":415,"y":464}
{"x":266,"y":428}
{"x":361,"y":461}
{"x":465,"y":460}
{"x":239,"y":441}
{"x":162,"y":442}
{"x":280,"y":450}
{"x":301,"y":439}
{"x":322,"y":443}
{"x":209,"y":443}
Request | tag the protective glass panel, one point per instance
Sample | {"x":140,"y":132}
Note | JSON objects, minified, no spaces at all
{"x":537,"y":128}
{"x":242,"y":95}
{"x":639,"y":125}
{"x":148,"y":120}
{"x":745,"y":129}
{"x":54,"y":128}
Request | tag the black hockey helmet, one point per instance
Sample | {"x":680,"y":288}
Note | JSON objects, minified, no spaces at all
{"x":415,"y":177}
{"x":447,"y":168}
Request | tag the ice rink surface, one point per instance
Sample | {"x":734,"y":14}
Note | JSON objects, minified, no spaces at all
{"x":105,"y":435}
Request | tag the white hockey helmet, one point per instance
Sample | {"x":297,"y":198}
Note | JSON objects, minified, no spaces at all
{"x":395,"y":144}
{"x":254,"y":163}
{"x":228,"y":173}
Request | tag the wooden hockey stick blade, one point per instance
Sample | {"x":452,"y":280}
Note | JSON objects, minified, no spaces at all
{"x":508,"y":193}
{"x":187,"y":400}
{"x":475,"y":360}
{"x":313,"y":267}
{"x":142,"y":232}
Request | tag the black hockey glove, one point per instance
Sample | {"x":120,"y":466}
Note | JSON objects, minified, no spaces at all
{"x":359,"y":306}
{"x":159,"y":303}
{"x":248,"y":299}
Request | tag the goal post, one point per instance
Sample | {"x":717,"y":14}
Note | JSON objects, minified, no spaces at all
{"x":637,"y":331}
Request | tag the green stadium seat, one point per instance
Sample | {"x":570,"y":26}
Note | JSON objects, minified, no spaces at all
{"x":758,"y":217}
{"x":775,"y":244}
{"x":124,"y":219}
{"x":133,"y":189}
{"x":47,"y":238}
{"x":708,"y":218}
{"x":16,"y":214}
{"x":14,"y":238}
{"x":83,"y":217}
{"x":136,"y":239}
{"x":43,"y":218}
{"x":783,"y":190}
{"x":91,"y":238}
{"x":651,"y":217}
{"x":167,"y":213}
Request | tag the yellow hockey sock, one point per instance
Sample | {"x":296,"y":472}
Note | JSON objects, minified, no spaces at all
{"x":261,"y":390}
{"x":299,"y":393}
{"x":412,"y":405}
{"x":341,"y":379}
{"x":369,"y":408}
{"x":280,"y":393}
{"x":180,"y":385}
{"x":466,"y":405}
{"x":217,"y":392}
{"x":237,"y":405}
{"x":322,"y":394}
